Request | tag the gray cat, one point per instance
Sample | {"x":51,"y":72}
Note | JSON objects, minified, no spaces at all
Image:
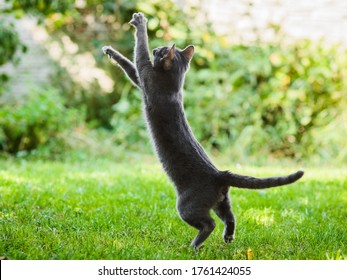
{"x":200,"y":186}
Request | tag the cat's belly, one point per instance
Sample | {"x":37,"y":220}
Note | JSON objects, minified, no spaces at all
{"x":181,"y":155}
{"x":184,"y":160}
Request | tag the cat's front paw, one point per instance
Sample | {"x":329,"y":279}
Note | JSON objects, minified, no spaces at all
{"x":109,"y":51}
{"x":138,"y":20}
{"x":106,"y":49}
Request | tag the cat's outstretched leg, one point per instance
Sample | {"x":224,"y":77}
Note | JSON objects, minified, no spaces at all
{"x":127,"y":66}
{"x":142,"y":58}
{"x":223,"y":211}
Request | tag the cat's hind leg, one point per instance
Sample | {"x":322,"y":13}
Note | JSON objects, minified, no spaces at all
{"x":205,"y":225}
{"x":201,"y":220}
{"x":223,"y":211}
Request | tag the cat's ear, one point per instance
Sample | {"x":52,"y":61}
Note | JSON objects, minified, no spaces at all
{"x":168,"y":58}
{"x":188,"y":52}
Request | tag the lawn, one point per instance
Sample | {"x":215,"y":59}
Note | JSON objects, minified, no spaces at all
{"x":109,"y":210}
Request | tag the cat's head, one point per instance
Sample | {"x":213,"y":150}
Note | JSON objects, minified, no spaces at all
{"x":171,"y":58}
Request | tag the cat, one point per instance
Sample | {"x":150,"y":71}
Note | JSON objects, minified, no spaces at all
{"x":200,"y":186}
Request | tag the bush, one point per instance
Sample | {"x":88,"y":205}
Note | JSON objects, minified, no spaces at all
{"x":39,"y":118}
{"x":269,"y":97}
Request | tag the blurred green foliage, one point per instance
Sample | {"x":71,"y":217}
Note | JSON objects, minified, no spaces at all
{"x":268,"y":97}
{"x":264,"y":98}
{"x":8,"y":42}
{"x":39,"y":7}
{"x":38,"y":118}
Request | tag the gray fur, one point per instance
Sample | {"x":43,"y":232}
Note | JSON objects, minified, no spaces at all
{"x":199,"y":184}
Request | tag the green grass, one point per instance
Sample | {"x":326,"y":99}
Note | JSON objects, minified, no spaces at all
{"x":107,"y":210}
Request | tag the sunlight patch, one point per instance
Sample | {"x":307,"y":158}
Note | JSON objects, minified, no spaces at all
{"x":291,"y":214}
{"x":260,"y":216}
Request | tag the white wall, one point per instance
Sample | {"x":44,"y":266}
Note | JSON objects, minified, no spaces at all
{"x":313,"y":19}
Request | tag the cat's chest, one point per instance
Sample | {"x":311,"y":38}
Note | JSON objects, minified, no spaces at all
{"x":162,"y":107}
{"x":165,"y":119}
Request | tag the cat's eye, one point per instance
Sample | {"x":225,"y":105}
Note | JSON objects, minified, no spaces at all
{"x":155,"y":51}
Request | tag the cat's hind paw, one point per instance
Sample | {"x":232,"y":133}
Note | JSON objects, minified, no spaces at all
{"x":228,"y":238}
{"x":197,"y":247}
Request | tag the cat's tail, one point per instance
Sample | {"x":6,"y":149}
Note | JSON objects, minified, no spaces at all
{"x":246,"y":182}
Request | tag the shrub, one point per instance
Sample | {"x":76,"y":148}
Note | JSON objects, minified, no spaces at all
{"x":32,"y":122}
{"x":270,"y":96}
